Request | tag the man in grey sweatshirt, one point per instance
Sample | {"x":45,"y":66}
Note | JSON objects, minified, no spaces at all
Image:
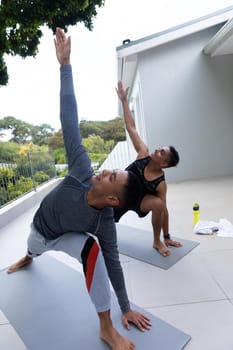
{"x":82,"y":205}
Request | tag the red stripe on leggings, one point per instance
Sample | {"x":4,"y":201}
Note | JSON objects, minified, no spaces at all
{"x":90,"y":266}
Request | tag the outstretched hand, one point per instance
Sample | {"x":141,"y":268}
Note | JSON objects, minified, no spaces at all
{"x":121,"y":92}
{"x":139,"y":320}
{"x":62,"y":46}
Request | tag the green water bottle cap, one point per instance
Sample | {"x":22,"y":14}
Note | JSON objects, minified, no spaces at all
{"x":196,"y":206}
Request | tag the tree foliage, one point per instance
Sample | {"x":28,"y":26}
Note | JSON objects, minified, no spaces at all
{"x":40,"y":134}
{"x":20,"y":22}
{"x":109,"y":130}
{"x":56,"y":140}
{"x":99,"y":138}
{"x":20,"y":173}
{"x":23,"y":132}
{"x":20,"y":130}
{"x":115,"y":130}
{"x":95,"y":144}
{"x":8,"y":149}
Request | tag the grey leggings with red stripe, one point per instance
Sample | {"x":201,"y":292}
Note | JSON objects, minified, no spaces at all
{"x":85,"y":249}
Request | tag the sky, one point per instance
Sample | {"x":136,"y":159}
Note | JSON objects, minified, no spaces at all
{"x":32,"y":93}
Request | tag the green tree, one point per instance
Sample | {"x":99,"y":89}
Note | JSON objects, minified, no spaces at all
{"x":94,"y":144}
{"x":109,"y":145}
{"x":40,"y":134}
{"x":97,"y":148}
{"x":56,"y":144}
{"x":59,"y":156}
{"x":88,"y":128}
{"x":40,"y":177}
{"x":108,"y":130}
{"x":22,"y":186}
{"x":114,"y":130}
{"x":23,"y":132}
{"x":8,"y":149}
{"x":56,"y":141}
{"x":20,"y":130}
{"x":20,"y":22}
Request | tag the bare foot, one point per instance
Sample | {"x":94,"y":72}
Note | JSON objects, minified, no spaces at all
{"x":162,"y":249}
{"x":22,"y":262}
{"x":116,"y":341}
{"x":172,"y":243}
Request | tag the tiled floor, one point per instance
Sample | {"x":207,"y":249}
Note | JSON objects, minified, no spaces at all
{"x":195,"y":295}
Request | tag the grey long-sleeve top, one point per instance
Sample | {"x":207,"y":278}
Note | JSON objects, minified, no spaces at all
{"x":65,"y":209}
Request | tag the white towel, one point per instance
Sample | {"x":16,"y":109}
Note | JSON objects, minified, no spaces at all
{"x":223,"y":228}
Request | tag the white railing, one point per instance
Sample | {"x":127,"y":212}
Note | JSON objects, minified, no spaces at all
{"x":120,"y":157}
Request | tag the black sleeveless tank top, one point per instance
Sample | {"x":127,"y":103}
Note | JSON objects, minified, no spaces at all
{"x":137,"y":167}
{"x":147,"y":187}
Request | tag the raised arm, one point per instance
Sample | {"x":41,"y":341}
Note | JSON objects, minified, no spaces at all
{"x":140,"y":147}
{"x":78,"y":159}
{"x":162,"y":194}
{"x":108,"y":241}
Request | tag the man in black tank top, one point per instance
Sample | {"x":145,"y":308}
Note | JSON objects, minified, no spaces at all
{"x":149,"y":170}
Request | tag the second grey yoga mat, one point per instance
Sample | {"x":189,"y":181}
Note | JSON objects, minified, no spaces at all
{"x":48,"y":305}
{"x":137,"y":243}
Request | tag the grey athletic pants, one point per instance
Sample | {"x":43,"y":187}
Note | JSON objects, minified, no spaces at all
{"x":85,"y":249}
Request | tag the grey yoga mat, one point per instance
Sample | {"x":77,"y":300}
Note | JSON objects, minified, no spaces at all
{"x":49,"y":307}
{"x":137,"y":243}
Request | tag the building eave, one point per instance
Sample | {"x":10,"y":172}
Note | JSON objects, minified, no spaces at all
{"x":127,"y":54}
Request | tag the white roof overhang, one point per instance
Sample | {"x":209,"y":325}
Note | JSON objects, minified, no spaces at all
{"x":222,"y":41}
{"x":127,"y":53}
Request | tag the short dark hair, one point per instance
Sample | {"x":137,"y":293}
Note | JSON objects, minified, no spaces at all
{"x":132,"y":192}
{"x":174,"y":157}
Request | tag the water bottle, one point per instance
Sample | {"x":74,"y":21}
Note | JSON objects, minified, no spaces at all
{"x":196,"y":214}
